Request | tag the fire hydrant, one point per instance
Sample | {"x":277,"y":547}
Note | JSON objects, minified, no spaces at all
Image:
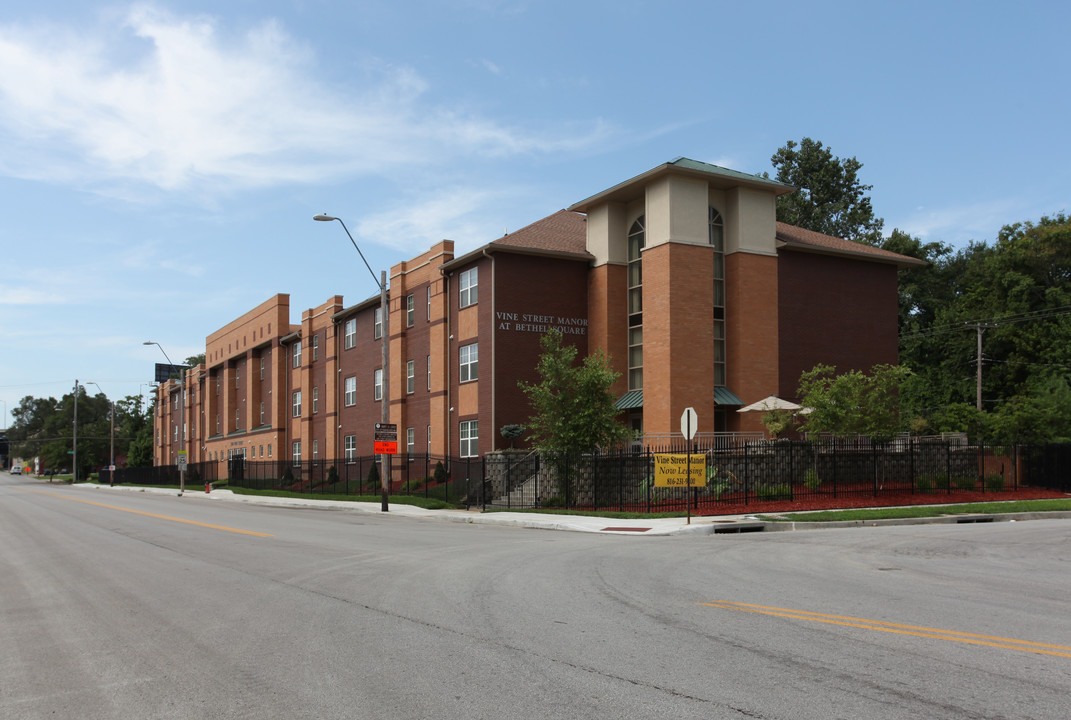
{"x":208,"y":487}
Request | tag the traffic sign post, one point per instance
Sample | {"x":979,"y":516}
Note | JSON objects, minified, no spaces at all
{"x":689,"y":424}
{"x":182,"y":471}
{"x":385,"y":444}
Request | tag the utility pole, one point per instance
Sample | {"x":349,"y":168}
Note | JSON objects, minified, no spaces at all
{"x":980,"y":328}
{"x":74,"y":461}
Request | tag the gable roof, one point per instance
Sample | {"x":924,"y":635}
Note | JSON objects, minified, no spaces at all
{"x":797,"y":238}
{"x":716,"y":175}
{"x":563,"y":235}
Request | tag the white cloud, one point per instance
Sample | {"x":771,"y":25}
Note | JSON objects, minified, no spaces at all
{"x":171,"y":103}
{"x":957,"y":225}
{"x":449,"y":214}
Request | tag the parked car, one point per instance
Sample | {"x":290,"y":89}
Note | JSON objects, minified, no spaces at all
{"x":16,"y":470}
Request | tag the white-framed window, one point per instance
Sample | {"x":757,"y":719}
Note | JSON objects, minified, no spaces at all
{"x":429,"y":302}
{"x":269,"y":449}
{"x":351,"y":391}
{"x":410,"y":376}
{"x":262,"y":368}
{"x":176,"y":433}
{"x":410,"y":310}
{"x":350,"y":446}
{"x":237,"y":377}
{"x":377,"y":384}
{"x":469,"y":366}
{"x":315,"y":400}
{"x":262,"y":413}
{"x":429,"y":439}
{"x":377,"y":329}
{"x":467,"y":286}
{"x":470,"y":434}
{"x":262,"y":451}
{"x":410,"y":441}
{"x":315,"y":347}
{"x":237,"y":418}
{"x":429,"y":372}
{"x":351,"y":333}
{"x":297,"y":403}
{"x":297,"y":452}
{"x":217,"y":424}
{"x":297,"y":353}
{"x":315,"y":449}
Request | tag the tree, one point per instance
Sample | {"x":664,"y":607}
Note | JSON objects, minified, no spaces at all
{"x":854,"y":402}
{"x":831,"y":199}
{"x":573,"y":406}
{"x":194,"y":360}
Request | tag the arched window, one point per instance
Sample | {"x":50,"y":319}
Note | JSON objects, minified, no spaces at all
{"x":636,"y":237}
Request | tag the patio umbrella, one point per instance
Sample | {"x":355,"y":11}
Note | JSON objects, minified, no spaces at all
{"x":772,"y":403}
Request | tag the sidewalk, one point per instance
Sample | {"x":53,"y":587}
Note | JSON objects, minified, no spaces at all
{"x":707,"y":525}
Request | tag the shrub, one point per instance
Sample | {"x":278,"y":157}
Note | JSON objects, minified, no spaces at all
{"x":811,"y":479}
{"x":994,"y":482}
{"x":288,"y":477}
{"x":966,"y":482}
{"x":440,"y":473}
{"x":924,"y":483}
{"x":720,"y":487}
{"x":774,"y":492}
{"x":373,"y":476}
{"x":332,"y":475}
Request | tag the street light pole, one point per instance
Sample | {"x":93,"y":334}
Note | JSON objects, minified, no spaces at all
{"x":111,"y":416}
{"x":182,"y":395}
{"x":384,"y":458}
{"x":74,"y":454}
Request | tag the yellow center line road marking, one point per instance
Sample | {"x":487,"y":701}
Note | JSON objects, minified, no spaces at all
{"x":882,"y":626}
{"x":154,"y":515}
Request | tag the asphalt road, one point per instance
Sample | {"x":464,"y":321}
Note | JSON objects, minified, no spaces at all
{"x":153,"y":606}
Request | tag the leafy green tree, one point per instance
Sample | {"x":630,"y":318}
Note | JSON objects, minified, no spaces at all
{"x":194,"y":360}
{"x":831,"y":198}
{"x":854,"y":402}
{"x":573,"y":406}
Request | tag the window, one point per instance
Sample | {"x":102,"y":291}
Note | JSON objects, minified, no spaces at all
{"x":315,"y":400}
{"x":297,"y":404}
{"x":237,"y":377}
{"x":410,"y":441}
{"x":315,"y":449}
{"x":717,"y":242}
{"x":351,"y":333}
{"x":315,"y":348}
{"x":269,"y":449}
{"x":297,"y":452}
{"x":635,"y":305}
{"x":297,"y":353}
{"x":410,"y":310}
{"x":429,"y":372}
{"x":429,"y":439}
{"x":467,"y":282}
{"x":217,"y":424}
{"x":410,"y":376}
{"x":262,"y":413}
{"x":377,"y":383}
{"x":176,"y":433}
{"x":429,"y":302}
{"x":377,"y":330}
{"x":350,"y":445}
{"x":262,"y":368}
{"x":351,"y":391}
{"x":469,"y":435}
{"x":237,"y":418}
{"x":262,"y":451}
{"x":469,"y":365}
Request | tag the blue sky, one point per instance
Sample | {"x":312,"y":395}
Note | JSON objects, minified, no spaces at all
{"x":160,"y":163}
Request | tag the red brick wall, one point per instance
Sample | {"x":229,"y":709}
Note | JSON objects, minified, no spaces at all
{"x":608,"y":318}
{"x":835,"y":311}
{"x":751,"y":332}
{"x":531,"y":293}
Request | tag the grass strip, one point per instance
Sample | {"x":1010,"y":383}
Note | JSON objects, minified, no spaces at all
{"x":919,"y":511}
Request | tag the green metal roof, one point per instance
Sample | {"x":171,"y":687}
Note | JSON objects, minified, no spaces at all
{"x":631,"y":399}
{"x":725,"y":396}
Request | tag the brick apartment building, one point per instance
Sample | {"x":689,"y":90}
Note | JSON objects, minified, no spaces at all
{"x":682,"y":274}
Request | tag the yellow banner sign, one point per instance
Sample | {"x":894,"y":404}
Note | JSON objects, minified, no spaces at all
{"x":671,"y":470}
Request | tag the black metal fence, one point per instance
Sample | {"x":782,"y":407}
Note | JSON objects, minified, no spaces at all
{"x":753,"y":472}
{"x":737,"y":474}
